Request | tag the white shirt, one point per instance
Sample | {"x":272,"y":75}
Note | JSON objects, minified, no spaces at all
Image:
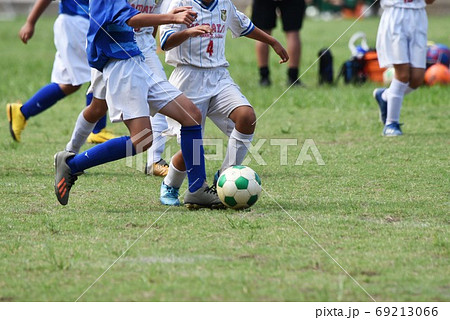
{"x":145,"y":6}
{"x":411,"y":4}
{"x":206,"y":51}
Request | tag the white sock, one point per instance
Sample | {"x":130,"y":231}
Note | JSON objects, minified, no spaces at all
{"x":395,"y":96}
{"x":237,"y":149}
{"x":385,"y":92}
{"x":154,"y":153}
{"x":80,"y":133}
{"x":174,"y":177}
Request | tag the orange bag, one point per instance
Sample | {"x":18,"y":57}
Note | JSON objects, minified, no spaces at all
{"x":371,"y":66}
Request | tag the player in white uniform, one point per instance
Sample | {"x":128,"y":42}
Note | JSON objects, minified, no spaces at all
{"x":198,"y":53}
{"x":401,"y":43}
{"x":70,"y":67}
{"x":88,"y":117}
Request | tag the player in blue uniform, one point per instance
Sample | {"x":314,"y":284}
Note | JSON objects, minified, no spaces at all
{"x":129,"y":85}
{"x":70,"y":68}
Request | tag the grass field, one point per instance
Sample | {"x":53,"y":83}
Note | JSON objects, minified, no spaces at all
{"x":379,"y":207}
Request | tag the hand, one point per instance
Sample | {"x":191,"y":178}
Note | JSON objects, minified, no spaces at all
{"x":199,"y":30}
{"x":184,"y":15}
{"x":429,"y":1}
{"x":26,"y":32}
{"x":278,"y":48}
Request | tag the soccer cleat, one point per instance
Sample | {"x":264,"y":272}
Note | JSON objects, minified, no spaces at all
{"x":382,"y":104}
{"x":392,"y":130}
{"x":169,"y":195}
{"x":64,"y":179}
{"x":160,"y":168}
{"x":103,"y":136}
{"x":17,"y":121}
{"x":205,"y":197}
{"x":265,"y":82}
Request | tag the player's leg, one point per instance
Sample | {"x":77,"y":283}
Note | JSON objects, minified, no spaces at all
{"x":68,"y":165}
{"x":394,"y":98}
{"x":264,"y":17}
{"x":244,"y":119}
{"x":155,"y":163}
{"x":43,"y":99}
{"x":292,"y":13}
{"x":86,"y":122}
{"x":172,"y":182}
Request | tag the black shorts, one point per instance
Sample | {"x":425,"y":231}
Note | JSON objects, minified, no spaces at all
{"x":292,"y":12}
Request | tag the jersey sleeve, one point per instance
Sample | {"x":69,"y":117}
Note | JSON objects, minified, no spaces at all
{"x":240,"y":25}
{"x":121,"y":11}
{"x":166,"y":30}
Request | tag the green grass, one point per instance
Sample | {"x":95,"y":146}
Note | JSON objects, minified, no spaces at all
{"x":379,"y":206}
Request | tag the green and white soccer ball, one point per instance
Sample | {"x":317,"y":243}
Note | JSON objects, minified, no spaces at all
{"x":239,"y":187}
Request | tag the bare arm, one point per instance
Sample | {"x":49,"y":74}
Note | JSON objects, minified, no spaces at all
{"x":179,"y":37}
{"x":27,"y":30}
{"x":259,"y":35}
{"x":181,"y":15}
{"x":429,"y":1}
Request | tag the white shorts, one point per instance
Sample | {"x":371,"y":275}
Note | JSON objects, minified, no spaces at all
{"x":147,"y":45}
{"x":213,"y":91}
{"x":402,"y":37}
{"x":98,"y":85}
{"x":134,"y":91}
{"x":71,"y":65}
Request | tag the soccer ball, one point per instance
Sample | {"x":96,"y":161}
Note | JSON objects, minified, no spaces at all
{"x":437,"y":74}
{"x":239,"y":187}
{"x":438,"y":53}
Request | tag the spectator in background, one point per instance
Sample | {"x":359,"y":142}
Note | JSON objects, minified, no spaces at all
{"x":264,"y":17}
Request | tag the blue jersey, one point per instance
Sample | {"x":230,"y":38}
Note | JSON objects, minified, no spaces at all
{"x":75,"y":7}
{"x":118,"y":41}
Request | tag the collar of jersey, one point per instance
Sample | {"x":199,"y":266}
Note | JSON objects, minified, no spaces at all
{"x":209,"y":7}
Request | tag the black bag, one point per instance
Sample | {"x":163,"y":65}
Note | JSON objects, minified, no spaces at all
{"x":353,"y":71}
{"x":326,"y":72}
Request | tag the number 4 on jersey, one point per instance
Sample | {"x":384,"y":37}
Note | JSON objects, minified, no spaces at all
{"x":210,"y":48}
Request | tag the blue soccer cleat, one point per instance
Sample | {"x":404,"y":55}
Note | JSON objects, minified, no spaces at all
{"x":382,"y":104}
{"x":392,"y":130}
{"x":169,"y":195}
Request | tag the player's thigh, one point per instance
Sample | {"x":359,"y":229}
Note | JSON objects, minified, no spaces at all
{"x":223,"y":104}
{"x":182,"y":110}
{"x":127,"y":86}
{"x":71,"y":64}
{"x":292,"y":14}
{"x":392,"y":38}
{"x":264,"y":14}
{"x":418,"y":38}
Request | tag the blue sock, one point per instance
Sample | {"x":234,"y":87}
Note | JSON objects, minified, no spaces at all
{"x":108,"y":151}
{"x":101,"y":124}
{"x":42,"y":100}
{"x":89,"y":98}
{"x":191,"y":137}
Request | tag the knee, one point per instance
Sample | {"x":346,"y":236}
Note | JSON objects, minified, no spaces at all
{"x":142,"y":143}
{"x":402,"y":77}
{"x":245,"y":120}
{"x":68,"y":88}
{"x":192,"y":115}
{"x":416,"y":82}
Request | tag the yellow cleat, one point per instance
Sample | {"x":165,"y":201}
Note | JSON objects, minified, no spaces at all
{"x":17,"y":121}
{"x":160,"y":168}
{"x":102,"y":136}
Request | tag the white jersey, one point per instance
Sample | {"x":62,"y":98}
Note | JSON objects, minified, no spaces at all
{"x":410,"y":4}
{"x":146,"y":6}
{"x":207,"y":51}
